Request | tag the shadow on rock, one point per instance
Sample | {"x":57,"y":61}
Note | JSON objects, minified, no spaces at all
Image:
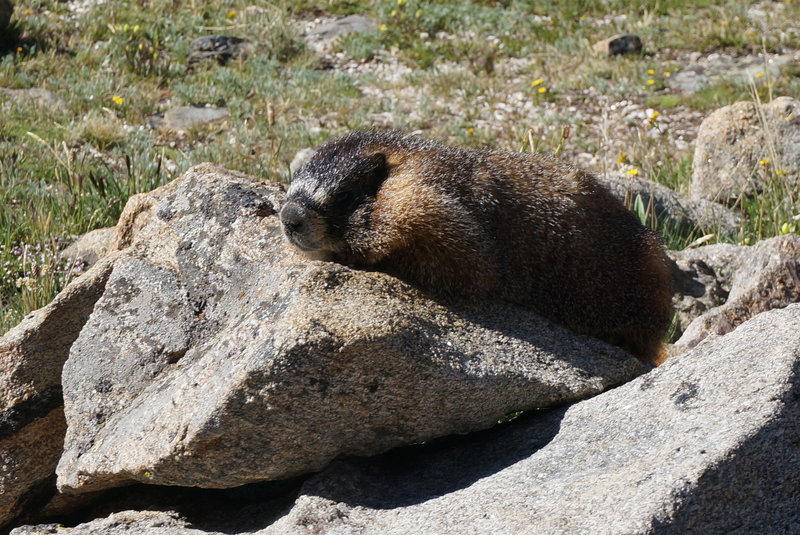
{"x":242,"y":509}
{"x":415,"y":474}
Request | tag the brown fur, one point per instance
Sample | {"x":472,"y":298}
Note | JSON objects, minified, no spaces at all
{"x":527,"y":228}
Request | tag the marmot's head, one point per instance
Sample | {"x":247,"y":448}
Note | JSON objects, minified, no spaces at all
{"x":331,"y":197}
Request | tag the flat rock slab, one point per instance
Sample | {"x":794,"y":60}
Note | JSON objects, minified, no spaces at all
{"x":218,"y":356}
{"x":187,"y":117}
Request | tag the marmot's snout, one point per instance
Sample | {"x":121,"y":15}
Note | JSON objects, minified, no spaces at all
{"x":293,"y":219}
{"x":305,"y":229}
{"x":297,"y":226}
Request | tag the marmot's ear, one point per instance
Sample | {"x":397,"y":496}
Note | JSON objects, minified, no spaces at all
{"x":377,"y":168}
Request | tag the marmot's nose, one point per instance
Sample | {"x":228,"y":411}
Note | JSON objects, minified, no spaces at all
{"x":293,"y":217}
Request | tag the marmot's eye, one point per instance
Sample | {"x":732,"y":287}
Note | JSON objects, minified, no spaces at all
{"x":344,"y":197}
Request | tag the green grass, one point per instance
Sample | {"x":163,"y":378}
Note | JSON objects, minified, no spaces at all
{"x":67,"y":170}
{"x":710,"y":97}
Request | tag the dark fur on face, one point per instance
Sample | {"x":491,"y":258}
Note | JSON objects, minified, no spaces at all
{"x":332,"y":194}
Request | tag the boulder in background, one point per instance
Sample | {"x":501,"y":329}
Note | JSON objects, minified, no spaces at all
{"x":742,"y":146}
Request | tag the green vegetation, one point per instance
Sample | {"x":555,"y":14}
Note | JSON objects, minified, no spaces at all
{"x":710,"y":97}
{"x":502,"y":73}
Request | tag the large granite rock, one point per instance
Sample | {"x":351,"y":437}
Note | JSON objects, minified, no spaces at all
{"x":219,"y":356}
{"x":31,"y":416}
{"x":742,"y":147}
{"x":708,"y":443}
{"x":209,"y":354}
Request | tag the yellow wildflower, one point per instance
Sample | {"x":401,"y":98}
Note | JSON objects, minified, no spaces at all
{"x":622,"y":158}
{"x":536,"y":82}
{"x":542,"y":90}
{"x":651,"y":72}
{"x":401,"y":2}
{"x":759,"y":75}
{"x":785,"y":228}
{"x":19,"y":50}
{"x":633,"y":171}
{"x":470,"y":130}
{"x":780,"y":172}
{"x":393,"y":13}
{"x":118,"y":100}
{"x":667,"y":74}
{"x":27,"y":11}
{"x":383,"y":27}
{"x":655,"y":115}
{"x":231,"y":13}
{"x":765,"y":161}
{"x":651,"y":82}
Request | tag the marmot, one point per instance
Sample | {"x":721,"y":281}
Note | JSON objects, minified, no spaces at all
{"x":474,"y":224}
